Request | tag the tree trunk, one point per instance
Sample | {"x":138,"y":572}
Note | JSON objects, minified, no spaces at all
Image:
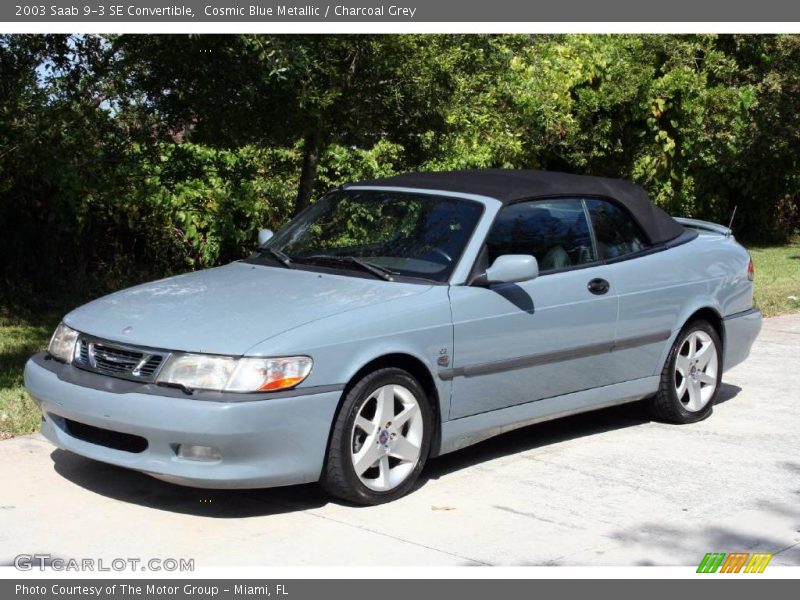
{"x":312,"y":148}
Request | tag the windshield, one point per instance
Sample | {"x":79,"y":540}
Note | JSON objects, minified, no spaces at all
{"x":399,"y":233}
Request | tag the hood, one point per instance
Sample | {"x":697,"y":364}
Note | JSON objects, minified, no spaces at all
{"x":229,"y":309}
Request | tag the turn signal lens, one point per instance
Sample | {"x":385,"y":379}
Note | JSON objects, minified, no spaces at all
{"x":269,"y":374}
{"x":279,"y":384}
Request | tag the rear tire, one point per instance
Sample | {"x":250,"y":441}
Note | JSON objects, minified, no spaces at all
{"x":691,"y":377}
{"x":380,"y":439}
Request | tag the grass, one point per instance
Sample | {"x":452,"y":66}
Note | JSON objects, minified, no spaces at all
{"x":23,"y":332}
{"x":19,"y":338}
{"x":777,"y":284}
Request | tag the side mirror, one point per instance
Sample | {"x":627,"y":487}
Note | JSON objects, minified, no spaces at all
{"x":511,"y":268}
{"x":264,"y":236}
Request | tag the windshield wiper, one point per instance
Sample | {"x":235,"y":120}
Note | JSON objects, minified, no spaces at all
{"x":281,"y":257}
{"x":376,"y":270}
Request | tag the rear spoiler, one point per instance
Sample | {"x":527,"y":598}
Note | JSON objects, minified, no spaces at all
{"x":704,"y":226}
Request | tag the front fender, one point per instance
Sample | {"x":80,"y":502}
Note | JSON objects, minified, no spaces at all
{"x":419,"y":326}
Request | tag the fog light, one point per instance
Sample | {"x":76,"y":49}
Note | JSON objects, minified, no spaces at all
{"x":192,"y":452}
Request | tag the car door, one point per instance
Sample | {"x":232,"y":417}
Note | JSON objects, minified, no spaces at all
{"x":517,"y":343}
{"x":650,"y":287}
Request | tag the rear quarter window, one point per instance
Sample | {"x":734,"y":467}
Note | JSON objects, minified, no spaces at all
{"x":616,"y":233}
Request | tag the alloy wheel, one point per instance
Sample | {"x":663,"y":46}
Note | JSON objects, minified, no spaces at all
{"x":387,"y":438}
{"x":696,"y":370}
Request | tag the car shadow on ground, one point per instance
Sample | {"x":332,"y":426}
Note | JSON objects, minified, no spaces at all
{"x":137,"y":488}
{"x":551,"y":432}
{"x":727,"y":392}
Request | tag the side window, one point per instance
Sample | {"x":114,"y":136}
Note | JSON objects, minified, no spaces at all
{"x":554,"y":231}
{"x":615,"y":231}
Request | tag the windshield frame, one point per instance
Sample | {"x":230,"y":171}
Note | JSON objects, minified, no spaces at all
{"x":354,"y":271}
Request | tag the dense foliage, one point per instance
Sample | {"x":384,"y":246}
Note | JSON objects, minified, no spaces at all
{"x":129,"y":157}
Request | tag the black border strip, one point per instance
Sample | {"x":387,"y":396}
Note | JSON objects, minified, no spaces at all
{"x":547,"y":358}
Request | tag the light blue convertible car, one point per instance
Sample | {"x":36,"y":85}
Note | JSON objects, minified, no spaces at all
{"x":396,"y":320}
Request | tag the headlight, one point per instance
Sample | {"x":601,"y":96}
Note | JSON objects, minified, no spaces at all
{"x":225,"y":373}
{"x":62,"y":344}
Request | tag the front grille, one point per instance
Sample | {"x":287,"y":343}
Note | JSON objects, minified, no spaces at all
{"x":151,"y":365}
{"x":117,"y":360}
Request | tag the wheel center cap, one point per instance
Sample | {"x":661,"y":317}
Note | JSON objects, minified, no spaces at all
{"x":383,"y":437}
{"x":693,"y":372}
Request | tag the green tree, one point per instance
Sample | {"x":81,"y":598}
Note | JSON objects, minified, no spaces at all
{"x":128,"y":157}
{"x":283,"y":90}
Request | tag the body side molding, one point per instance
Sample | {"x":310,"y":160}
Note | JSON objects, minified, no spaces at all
{"x":534,"y":360}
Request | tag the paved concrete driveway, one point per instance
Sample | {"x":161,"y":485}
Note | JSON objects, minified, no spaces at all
{"x":606,"y":488}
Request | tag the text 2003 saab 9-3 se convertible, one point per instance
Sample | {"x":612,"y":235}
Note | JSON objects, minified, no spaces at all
{"x":398,"y":319}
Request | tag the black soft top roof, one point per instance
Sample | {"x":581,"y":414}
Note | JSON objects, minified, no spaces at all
{"x":508,"y":186}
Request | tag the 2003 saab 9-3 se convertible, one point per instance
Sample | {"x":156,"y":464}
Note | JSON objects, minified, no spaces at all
{"x":398,"y":319}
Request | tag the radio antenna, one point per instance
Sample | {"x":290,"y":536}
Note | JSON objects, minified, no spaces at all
{"x":730,"y":224}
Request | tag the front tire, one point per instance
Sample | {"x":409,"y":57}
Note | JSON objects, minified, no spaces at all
{"x":380,"y":439}
{"x":691,"y":377}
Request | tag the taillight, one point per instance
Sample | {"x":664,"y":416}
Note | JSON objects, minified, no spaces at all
{"x":751,"y":271}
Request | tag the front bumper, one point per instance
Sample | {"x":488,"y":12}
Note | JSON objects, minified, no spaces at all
{"x":741,"y":330}
{"x":262,"y":443}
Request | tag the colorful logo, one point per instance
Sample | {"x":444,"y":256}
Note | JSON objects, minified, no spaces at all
{"x":735,"y":562}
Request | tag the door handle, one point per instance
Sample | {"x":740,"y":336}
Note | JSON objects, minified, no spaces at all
{"x":598,"y":286}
